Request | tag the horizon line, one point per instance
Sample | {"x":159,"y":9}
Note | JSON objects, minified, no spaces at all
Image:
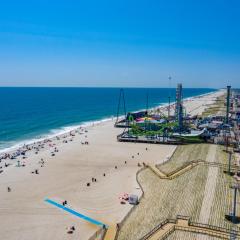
{"x":118,"y":87}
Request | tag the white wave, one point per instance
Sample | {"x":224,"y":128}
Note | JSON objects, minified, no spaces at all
{"x":66,"y":129}
{"x":53,"y":133}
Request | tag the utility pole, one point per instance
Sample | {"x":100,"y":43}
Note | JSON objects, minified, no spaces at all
{"x":232,"y":217}
{"x":146,"y":114}
{"x":228,"y":104}
{"x":169,"y":96}
{"x":229,"y":163}
{"x":179,"y":108}
{"x":226,"y":139}
{"x":235,"y":188}
{"x":147,"y":104}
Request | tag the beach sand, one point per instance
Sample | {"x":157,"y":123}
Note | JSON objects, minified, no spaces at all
{"x":25,"y":215}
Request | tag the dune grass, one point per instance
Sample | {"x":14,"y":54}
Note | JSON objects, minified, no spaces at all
{"x":216,"y":108}
{"x":183,"y":195}
{"x":223,"y":196}
{"x":165,"y":199}
{"x":184,"y":154}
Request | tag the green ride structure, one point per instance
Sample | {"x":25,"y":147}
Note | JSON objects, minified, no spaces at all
{"x":156,"y":127}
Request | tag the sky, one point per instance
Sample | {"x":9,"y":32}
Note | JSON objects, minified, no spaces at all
{"x":123,"y":43}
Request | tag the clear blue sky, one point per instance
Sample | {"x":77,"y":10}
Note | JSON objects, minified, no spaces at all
{"x":120,"y":43}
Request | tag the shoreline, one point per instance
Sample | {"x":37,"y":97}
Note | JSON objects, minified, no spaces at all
{"x":67,"y":129}
{"x":63,"y":175}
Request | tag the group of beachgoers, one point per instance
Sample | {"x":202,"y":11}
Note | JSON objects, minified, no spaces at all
{"x":36,"y":147}
{"x":66,"y":137}
{"x":18,"y":158}
{"x":70,"y":230}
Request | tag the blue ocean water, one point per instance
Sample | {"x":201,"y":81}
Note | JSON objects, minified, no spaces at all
{"x":30,"y":113}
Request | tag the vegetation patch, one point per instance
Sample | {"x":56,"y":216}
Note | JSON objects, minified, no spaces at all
{"x":185,"y":154}
{"x":216,"y":108}
{"x":165,"y":199}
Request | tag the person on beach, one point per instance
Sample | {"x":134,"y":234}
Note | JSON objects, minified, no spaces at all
{"x":8,"y":189}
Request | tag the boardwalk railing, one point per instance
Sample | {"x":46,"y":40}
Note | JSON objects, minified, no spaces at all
{"x":200,"y":228}
{"x":202,"y":231}
{"x":182,"y":217}
{"x":168,"y":233}
{"x":142,"y":139}
{"x":189,"y":165}
{"x":215,"y":228}
{"x":99,"y":234}
{"x":160,"y":225}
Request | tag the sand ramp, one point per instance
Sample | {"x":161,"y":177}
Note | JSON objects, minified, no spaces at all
{"x":111,"y":233}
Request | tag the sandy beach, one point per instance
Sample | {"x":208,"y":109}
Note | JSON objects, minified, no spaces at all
{"x":65,"y":165}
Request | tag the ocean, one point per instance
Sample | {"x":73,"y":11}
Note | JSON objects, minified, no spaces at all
{"x":29,"y":114}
